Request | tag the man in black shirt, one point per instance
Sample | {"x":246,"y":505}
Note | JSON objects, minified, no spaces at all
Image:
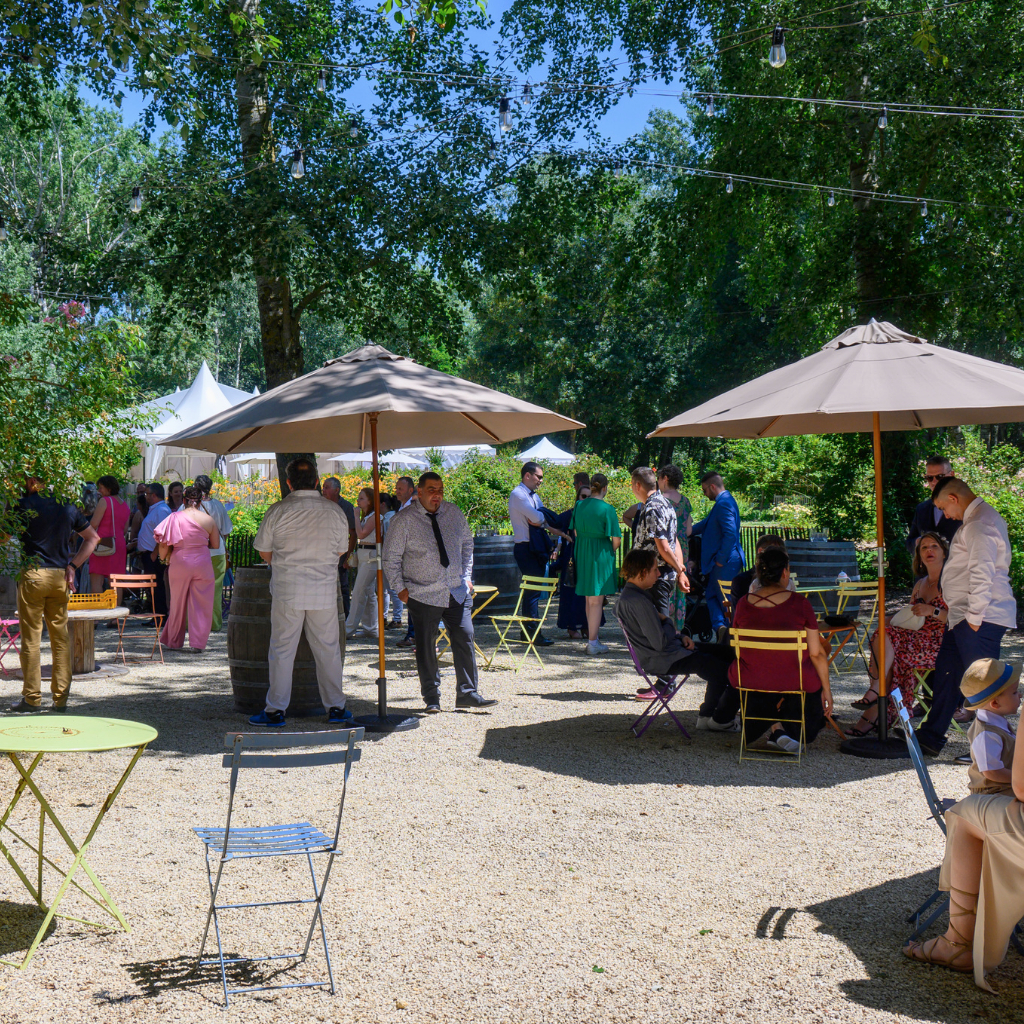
{"x":43,"y":589}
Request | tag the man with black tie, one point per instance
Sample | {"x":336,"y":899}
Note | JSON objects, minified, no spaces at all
{"x":927,"y":518}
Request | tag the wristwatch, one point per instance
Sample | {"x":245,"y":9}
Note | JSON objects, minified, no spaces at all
{"x":936,"y":612}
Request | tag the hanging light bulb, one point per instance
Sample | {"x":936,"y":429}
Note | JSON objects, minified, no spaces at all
{"x":321,"y":82}
{"x":136,"y":204}
{"x":618,"y":168}
{"x":777,"y":54}
{"x":762,"y":318}
{"x":3,"y":230}
{"x":492,"y":152}
{"x":710,"y":109}
{"x":924,"y":207}
{"x":527,"y":94}
{"x":883,"y":120}
{"x":299,"y":163}
{"x":1009,"y":218}
{"x":353,"y":128}
{"x":831,"y":198}
{"x":728,"y":184}
{"x":504,"y":114}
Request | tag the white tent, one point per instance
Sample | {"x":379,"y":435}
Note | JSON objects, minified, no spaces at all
{"x":179,"y":411}
{"x":398,"y":459}
{"x":548,"y":452}
{"x":454,"y":454}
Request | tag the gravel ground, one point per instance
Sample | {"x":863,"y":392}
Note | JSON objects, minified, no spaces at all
{"x":533,"y":863}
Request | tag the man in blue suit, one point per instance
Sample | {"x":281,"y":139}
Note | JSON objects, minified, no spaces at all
{"x":721,"y":556}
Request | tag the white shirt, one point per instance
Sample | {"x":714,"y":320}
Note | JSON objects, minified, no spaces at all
{"x":305,"y":534}
{"x":408,"y":502}
{"x":220,"y":516}
{"x":987,"y":747}
{"x":976,"y":576}
{"x":523,"y":505}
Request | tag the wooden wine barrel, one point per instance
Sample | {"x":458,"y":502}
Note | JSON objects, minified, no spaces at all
{"x":495,"y":565}
{"x":249,"y":644}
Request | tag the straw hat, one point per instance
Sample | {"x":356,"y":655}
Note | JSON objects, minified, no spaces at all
{"x":988,"y":678}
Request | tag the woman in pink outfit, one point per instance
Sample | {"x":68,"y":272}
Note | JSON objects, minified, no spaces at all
{"x":110,"y":521}
{"x":188,"y":535}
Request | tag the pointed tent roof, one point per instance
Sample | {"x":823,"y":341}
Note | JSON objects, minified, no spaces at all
{"x":204,"y":397}
{"x":547,"y":450}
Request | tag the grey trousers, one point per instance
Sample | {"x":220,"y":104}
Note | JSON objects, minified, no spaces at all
{"x":425,"y":618}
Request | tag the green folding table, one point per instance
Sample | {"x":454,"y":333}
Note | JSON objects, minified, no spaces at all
{"x":39,"y":735}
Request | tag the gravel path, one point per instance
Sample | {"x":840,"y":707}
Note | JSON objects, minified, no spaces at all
{"x":532,"y":865}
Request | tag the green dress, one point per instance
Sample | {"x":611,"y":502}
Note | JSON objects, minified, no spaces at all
{"x":594,"y":522}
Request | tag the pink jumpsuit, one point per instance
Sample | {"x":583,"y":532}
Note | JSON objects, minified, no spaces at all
{"x":192,"y":581}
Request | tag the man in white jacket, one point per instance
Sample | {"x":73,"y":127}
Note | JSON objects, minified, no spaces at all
{"x":976,"y":588}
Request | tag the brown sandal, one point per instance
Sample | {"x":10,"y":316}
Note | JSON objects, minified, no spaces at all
{"x":863,"y":704}
{"x":924,"y":952}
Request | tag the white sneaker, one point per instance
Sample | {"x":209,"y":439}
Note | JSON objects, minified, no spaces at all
{"x":703,"y":721}
{"x":733,"y":726}
{"x":596,"y":647}
{"x":785,"y":743}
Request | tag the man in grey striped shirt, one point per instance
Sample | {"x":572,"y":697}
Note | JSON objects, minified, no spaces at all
{"x":428,"y":561}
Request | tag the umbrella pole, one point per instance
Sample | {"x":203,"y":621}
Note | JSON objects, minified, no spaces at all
{"x":884,"y":746}
{"x":382,"y":721}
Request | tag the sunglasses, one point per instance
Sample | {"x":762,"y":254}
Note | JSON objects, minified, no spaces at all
{"x":929,"y":477}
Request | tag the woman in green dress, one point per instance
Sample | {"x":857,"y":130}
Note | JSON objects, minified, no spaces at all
{"x":598,"y":537}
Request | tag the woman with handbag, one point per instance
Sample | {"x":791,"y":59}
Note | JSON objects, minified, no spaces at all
{"x":912,"y":636}
{"x":596,"y":529}
{"x":110,"y":521}
{"x":362,"y":613}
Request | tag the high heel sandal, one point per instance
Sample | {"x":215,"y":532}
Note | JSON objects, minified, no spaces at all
{"x":863,"y":704}
{"x":924,"y":952}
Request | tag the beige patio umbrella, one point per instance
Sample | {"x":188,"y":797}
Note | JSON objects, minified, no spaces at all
{"x":873,"y":377}
{"x":368,"y":400}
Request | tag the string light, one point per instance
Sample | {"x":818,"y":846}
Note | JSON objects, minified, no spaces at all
{"x":504,"y":114}
{"x":777,"y":54}
{"x":135,"y":206}
{"x":3,"y":230}
{"x":492,"y":153}
{"x":924,"y":207}
{"x":728,"y":184}
{"x":831,"y":198}
{"x":321,"y":82}
{"x":527,"y":94}
{"x":710,"y":111}
{"x":298,"y":169}
{"x":1009,"y":218}
{"x":618,"y":168}
{"x":883,"y":120}
{"x":353,"y":128}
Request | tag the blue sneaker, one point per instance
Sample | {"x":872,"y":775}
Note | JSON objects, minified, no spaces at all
{"x":275,"y":719}
{"x":339,"y":716}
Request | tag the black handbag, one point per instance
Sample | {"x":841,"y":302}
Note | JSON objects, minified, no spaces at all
{"x":570,"y":573}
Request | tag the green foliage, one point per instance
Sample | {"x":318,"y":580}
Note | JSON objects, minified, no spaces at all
{"x":247,"y":518}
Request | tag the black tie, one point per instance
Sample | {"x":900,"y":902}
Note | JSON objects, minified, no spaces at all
{"x":441,"y":551}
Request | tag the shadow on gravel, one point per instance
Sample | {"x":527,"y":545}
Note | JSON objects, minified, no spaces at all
{"x":600,"y":748}
{"x":155,"y":977}
{"x":872,"y":924}
{"x":19,"y":923}
{"x":582,"y":696}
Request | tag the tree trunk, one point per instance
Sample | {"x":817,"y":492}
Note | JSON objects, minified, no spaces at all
{"x":279,"y":326}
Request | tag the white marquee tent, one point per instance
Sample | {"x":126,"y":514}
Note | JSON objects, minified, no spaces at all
{"x":548,"y":452}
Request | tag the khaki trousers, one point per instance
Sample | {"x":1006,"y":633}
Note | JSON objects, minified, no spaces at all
{"x":43,"y":597}
{"x":220,"y":567}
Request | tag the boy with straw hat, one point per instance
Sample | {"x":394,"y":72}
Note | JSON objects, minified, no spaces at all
{"x":991,"y":687}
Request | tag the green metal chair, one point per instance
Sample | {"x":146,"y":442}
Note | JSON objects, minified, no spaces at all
{"x":298,"y":839}
{"x":530,"y":627}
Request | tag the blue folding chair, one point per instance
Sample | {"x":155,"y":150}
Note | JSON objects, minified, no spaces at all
{"x":664,"y":691}
{"x":299,"y":839}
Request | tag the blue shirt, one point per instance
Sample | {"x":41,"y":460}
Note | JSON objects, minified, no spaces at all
{"x":156,"y":514}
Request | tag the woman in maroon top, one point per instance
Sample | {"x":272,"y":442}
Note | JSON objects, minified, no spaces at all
{"x":773,"y":607}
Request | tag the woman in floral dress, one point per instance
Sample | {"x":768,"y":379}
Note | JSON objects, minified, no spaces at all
{"x":669,"y":480}
{"x":909,"y":649}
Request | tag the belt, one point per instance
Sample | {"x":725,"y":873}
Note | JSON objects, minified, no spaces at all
{"x":369,"y":547}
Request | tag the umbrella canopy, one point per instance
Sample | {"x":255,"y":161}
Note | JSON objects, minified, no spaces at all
{"x":873,"y":377}
{"x":548,"y":451}
{"x":873,"y":368}
{"x":330,"y":409}
{"x":367,"y":400}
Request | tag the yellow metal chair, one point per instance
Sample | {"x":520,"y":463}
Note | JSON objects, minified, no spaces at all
{"x":504,"y":624}
{"x":923,"y":696}
{"x":770,"y":640}
{"x":848,"y":606}
{"x":726,"y":587}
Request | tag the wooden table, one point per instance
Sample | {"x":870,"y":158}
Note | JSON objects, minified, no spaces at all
{"x":82,"y":634}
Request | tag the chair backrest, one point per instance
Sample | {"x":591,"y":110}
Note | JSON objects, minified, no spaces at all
{"x":632,"y":651}
{"x":241,"y":743}
{"x":128,"y":581}
{"x":935,"y":805}
{"x":856,"y":592}
{"x":769,"y":640}
{"x":542,"y":585}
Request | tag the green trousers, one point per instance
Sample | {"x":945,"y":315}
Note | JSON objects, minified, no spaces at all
{"x":220,"y":565}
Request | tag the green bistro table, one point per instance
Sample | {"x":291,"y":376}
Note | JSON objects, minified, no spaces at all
{"x":63,"y":734}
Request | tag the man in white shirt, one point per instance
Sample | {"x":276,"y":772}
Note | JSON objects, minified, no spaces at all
{"x":301,"y":538}
{"x":524,"y":511}
{"x":405,"y":492}
{"x":158,"y":511}
{"x":220,"y":516}
{"x":976,"y":588}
